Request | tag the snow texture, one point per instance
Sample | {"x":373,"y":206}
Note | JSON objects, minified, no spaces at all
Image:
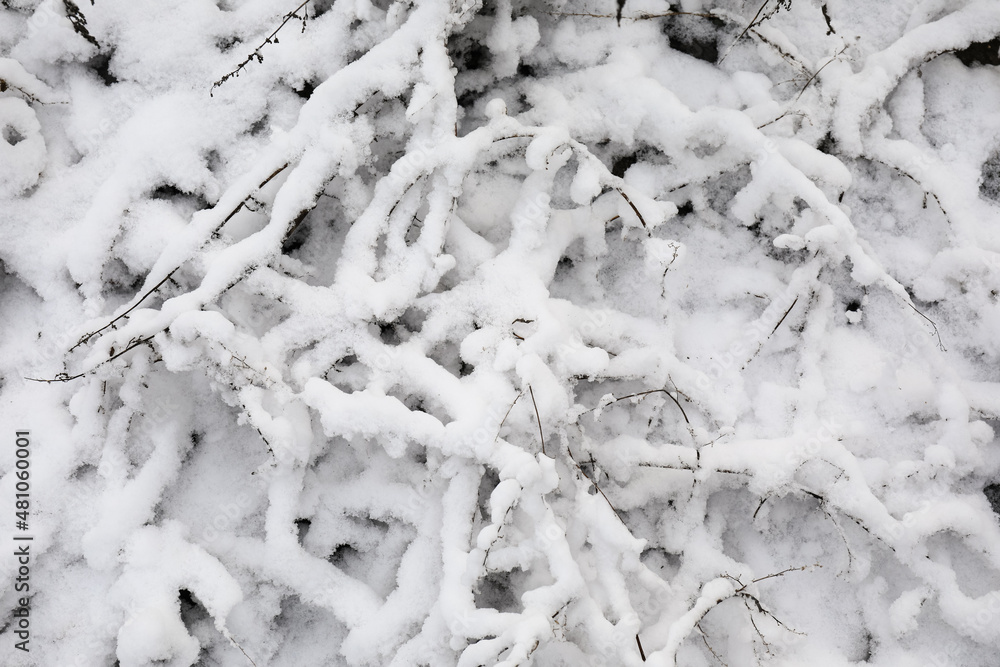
{"x":494,"y":332}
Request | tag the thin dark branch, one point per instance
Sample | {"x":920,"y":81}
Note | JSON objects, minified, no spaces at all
{"x":679,"y":406}
{"x":594,"y":484}
{"x":638,"y":17}
{"x":88,"y":336}
{"x":507,"y":414}
{"x":639,"y":215}
{"x":936,"y":332}
{"x":762,"y":501}
{"x":170,"y":275}
{"x":664,"y":466}
{"x":406,"y":191}
{"x":752,"y":22}
{"x":296,"y":221}
{"x":256,"y":54}
{"x":243,"y":652}
{"x":28,"y":97}
{"x":503,"y":523}
{"x":843,"y":536}
{"x":762,"y":610}
{"x":60,"y":377}
{"x":541,"y":434}
{"x":786,"y":113}
{"x":783,"y":317}
{"x":513,"y":136}
{"x":816,"y":73}
{"x":63,"y":377}
{"x":653,"y":391}
{"x":645,"y":15}
{"x":787,"y":57}
{"x":767,"y":646}
{"x":642,"y":654}
{"x":711,"y":650}
{"x":784,"y":572}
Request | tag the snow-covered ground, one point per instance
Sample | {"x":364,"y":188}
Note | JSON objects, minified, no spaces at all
{"x":452,"y":332}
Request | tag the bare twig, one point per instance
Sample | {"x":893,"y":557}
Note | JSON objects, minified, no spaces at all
{"x":500,"y":428}
{"x":762,"y":501}
{"x":816,"y":73}
{"x":936,"y":332}
{"x":541,"y":434}
{"x":270,"y":39}
{"x":760,"y":608}
{"x":489,"y":547}
{"x":644,"y":16}
{"x":752,"y":22}
{"x":64,"y":377}
{"x":782,"y":573}
{"x":843,"y":536}
{"x":639,"y":215}
{"x":654,"y":391}
{"x":28,"y":97}
{"x":753,"y":622}
{"x":785,"y":55}
{"x":786,"y":113}
{"x":86,"y":337}
{"x":756,"y":21}
{"x":595,"y":485}
{"x":243,"y":652}
{"x":711,"y":650}
{"x":783,"y":317}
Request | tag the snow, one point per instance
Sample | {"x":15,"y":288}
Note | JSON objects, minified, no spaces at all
{"x":22,"y":151}
{"x":498,"y":333}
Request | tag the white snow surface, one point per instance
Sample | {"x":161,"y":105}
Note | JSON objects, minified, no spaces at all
{"x":497,"y":332}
